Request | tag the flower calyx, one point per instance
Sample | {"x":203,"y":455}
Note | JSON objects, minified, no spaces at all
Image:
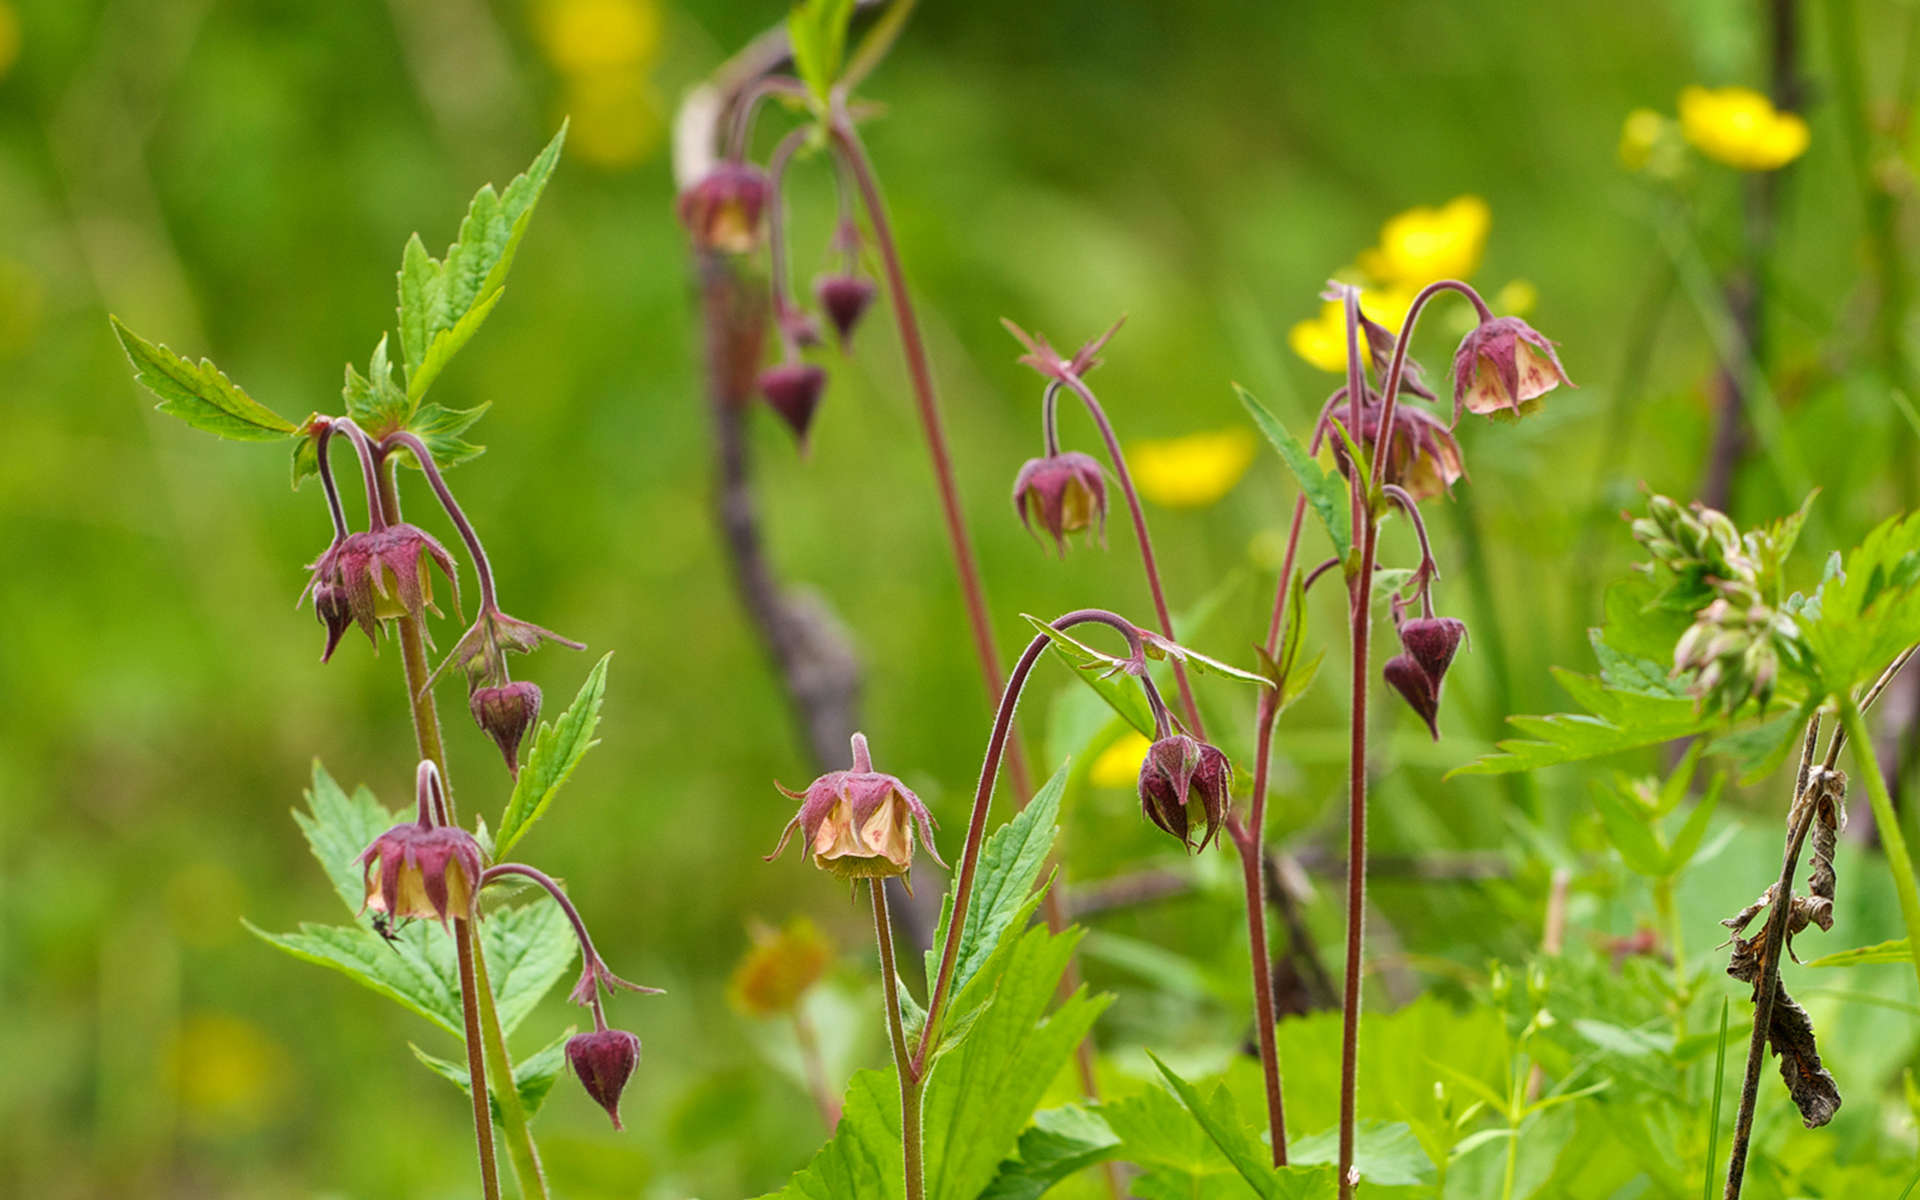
{"x":860,"y":823}
{"x":425,"y":867}
{"x":1065,"y":493}
{"x":1503,"y":367}
{"x":1177,"y":770}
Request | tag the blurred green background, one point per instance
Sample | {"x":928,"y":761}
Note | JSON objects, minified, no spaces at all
{"x":237,"y":179}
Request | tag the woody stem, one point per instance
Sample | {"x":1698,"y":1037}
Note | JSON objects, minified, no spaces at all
{"x":1147,"y":560}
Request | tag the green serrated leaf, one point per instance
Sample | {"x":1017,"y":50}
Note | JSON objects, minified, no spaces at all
{"x":1631,"y":720}
{"x":306,"y":459}
{"x":443,"y":302}
{"x":1386,"y":1154}
{"x":200,"y":395}
{"x":401,"y":973}
{"x":1326,"y":495}
{"x":533,"y":1076}
{"x":1870,"y":612}
{"x":1061,"y":1142}
{"x":440,"y":428}
{"x":1220,"y":1118}
{"x":1004,"y":886}
{"x":863,"y":1158}
{"x":557,"y":749}
{"x":374,"y":400}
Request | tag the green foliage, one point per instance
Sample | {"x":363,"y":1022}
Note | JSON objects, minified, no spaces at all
{"x":1325,"y":494}
{"x":200,"y":395}
{"x":533,"y":1075}
{"x":818,"y":31}
{"x":558,"y":748}
{"x":1869,"y":611}
{"x":1892,"y":951}
{"x":1220,"y":1118}
{"x":1103,"y":673}
{"x":528,"y":947}
{"x":996,"y":1057}
{"x":374,"y":400}
{"x":444,"y":301}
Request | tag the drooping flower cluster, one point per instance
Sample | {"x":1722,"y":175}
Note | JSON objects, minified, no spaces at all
{"x":860,"y":823}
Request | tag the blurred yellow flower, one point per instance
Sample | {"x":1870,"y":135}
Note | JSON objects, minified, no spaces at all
{"x":778,"y":970}
{"x":1516,"y":299}
{"x":1192,"y":471}
{"x":1741,"y":128}
{"x":1322,"y":340}
{"x":614,"y":118}
{"x":598,"y":35}
{"x":232,"y":1077}
{"x":9,"y":37}
{"x":1640,"y":134}
{"x":1423,"y":245}
{"x":1119,"y":764}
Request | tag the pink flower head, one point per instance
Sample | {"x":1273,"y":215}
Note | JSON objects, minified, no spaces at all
{"x":1503,"y":367}
{"x":382,"y":574}
{"x":1424,"y":457}
{"x":505,"y":713}
{"x":1065,"y":492}
{"x":723,"y":211}
{"x":859,"y":823}
{"x":1178,"y":769}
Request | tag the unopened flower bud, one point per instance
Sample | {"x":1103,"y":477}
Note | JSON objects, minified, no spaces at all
{"x":505,"y":713}
{"x":860,"y":823}
{"x":604,"y":1060}
{"x":1176,"y":770}
{"x":1411,"y":680}
{"x":793,"y":390}
{"x":1064,"y":492}
{"x":844,"y":298}
{"x":723,"y":211}
{"x":1504,"y":366}
{"x":1432,"y":643}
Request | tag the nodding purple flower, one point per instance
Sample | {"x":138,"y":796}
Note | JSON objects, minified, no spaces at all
{"x":793,"y":390}
{"x":380,"y":574}
{"x":724,"y":210}
{"x":1064,"y":493}
{"x":1503,"y":367}
{"x":505,"y":713}
{"x":1423,"y":458}
{"x":844,"y":298}
{"x":422,"y":868}
{"x":604,"y":1060}
{"x":1428,"y":645}
{"x":860,"y":823}
{"x":1176,"y":770}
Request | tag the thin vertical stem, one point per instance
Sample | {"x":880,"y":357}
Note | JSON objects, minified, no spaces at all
{"x":486,"y":1043}
{"x":903,"y":1067}
{"x":1148,"y":563}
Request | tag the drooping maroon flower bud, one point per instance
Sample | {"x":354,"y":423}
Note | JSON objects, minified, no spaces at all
{"x":797,"y":325}
{"x":1177,"y":769}
{"x":505,"y":713}
{"x":1064,"y":492}
{"x":793,"y":390}
{"x":382,"y":574}
{"x":1411,"y":680}
{"x":859,"y":823}
{"x":331,"y":607}
{"x":604,"y":1060}
{"x":723,"y":211}
{"x":1432,"y":643}
{"x":844,"y":298}
{"x":417,"y":870}
{"x":1503,"y":367}
{"x":1424,"y":457}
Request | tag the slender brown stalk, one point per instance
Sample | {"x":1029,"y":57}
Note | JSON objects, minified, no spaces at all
{"x":910,"y":1073}
{"x":1769,"y":987}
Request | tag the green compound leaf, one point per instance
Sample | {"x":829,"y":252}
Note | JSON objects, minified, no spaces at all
{"x":374,"y":400}
{"x":533,"y":1076}
{"x":1059,"y":1143}
{"x":443,"y":302}
{"x":863,"y":1158}
{"x":200,"y":395}
{"x":1220,"y":1118}
{"x":1326,"y":494}
{"x":440,"y":428}
{"x":528,"y":947}
{"x":817,"y":30}
{"x":1885,"y":952}
{"x":1868,"y":612}
{"x":557,"y":749}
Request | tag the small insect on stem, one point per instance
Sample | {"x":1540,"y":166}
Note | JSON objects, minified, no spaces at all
{"x":389,"y":929}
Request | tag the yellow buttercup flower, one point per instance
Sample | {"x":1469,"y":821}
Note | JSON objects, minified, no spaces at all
{"x":1322,"y":340}
{"x":1119,"y":764}
{"x":1741,"y":128}
{"x":1192,"y":471}
{"x":615,"y":118}
{"x":1517,"y":298}
{"x":1423,"y":245}
{"x":598,"y":35}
